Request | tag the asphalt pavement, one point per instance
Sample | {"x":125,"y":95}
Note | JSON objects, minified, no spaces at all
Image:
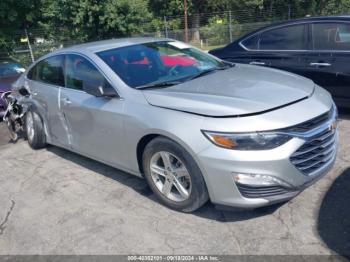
{"x":53,"y":201}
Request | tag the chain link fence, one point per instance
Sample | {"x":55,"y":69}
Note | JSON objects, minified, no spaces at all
{"x":206,"y":30}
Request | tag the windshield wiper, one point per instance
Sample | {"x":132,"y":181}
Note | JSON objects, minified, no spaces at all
{"x":159,"y":85}
{"x":208,"y":71}
{"x":228,"y":64}
{"x":176,"y":82}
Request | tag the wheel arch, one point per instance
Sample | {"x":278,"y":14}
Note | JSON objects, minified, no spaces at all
{"x":140,"y":148}
{"x":147,"y":138}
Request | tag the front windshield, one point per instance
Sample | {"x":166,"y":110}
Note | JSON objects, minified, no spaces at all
{"x":159,"y":62}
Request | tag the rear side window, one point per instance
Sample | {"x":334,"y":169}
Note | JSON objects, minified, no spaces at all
{"x":331,"y":36}
{"x":49,"y":71}
{"x":80,"y":73}
{"x":284,"y":38}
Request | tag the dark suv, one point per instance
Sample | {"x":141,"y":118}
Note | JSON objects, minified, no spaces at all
{"x":317,"y":48}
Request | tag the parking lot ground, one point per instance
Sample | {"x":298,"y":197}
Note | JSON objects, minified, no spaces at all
{"x":4,"y":134}
{"x":56,"y":202}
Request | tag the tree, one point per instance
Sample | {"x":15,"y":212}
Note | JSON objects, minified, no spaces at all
{"x":196,"y":8}
{"x":71,"y":21}
{"x":94,"y":19}
{"x":334,"y":7}
{"x":14,"y":16}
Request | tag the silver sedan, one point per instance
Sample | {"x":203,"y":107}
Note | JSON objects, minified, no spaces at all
{"x":195,"y":127}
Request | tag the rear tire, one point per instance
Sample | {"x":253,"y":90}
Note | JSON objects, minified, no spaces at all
{"x":173,"y":175}
{"x":35,"y":130}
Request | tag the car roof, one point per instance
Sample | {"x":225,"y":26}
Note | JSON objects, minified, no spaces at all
{"x":324,"y":18}
{"x":102,"y":45}
{"x":311,"y":19}
{"x":341,"y":18}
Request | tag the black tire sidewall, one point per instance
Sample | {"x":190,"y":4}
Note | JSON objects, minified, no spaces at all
{"x":39,"y":139}
{"x":199,"y":193}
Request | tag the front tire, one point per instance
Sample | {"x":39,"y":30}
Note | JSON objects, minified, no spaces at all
{"x":173,"y":175}
{"x":35,"y":130}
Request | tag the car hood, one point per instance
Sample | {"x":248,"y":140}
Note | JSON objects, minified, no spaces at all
{"x":240,"y":90}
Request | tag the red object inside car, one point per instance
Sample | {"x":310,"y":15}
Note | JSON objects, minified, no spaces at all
{"x":166,"y":59}
{"x":177,"y":60}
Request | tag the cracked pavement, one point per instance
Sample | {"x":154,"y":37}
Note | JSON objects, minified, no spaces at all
{"x":56,"y":202}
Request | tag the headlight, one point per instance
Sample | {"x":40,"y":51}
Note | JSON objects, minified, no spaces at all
{"x":247,"y":141}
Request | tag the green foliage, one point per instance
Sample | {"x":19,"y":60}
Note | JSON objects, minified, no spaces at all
{"x":216,"y":32}
{"x":14,"y":15}
{"x":161,"y":8}
{"x":93,"y":19}
{"x":335,"y":7}
{"x":72,"y":21}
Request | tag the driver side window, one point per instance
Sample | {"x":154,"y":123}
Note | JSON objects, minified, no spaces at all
{"x":81,"y":74}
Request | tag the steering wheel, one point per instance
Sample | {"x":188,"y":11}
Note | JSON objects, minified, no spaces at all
{"x":174,"y":70}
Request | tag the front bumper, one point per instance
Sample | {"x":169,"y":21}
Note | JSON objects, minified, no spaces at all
{"x":220,"y":166}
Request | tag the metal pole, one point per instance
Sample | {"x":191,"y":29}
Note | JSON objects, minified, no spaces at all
{"x":230,"y":25}
{"x":186,"y":25}
{"x":166,"y":27}
{"x":289,"y":11}
{"x":29,"y":45}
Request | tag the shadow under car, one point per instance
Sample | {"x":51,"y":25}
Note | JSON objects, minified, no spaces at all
{"x":333,"y":223}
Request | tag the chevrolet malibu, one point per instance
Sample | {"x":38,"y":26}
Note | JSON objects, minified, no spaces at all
{"x":196,"y":128}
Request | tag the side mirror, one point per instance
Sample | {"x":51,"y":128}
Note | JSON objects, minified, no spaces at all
{"x":105,"y":90}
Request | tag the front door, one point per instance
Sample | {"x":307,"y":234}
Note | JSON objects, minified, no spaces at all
{"x":281,"y":47}
{"x":265,"y":58}
{"x":95,"y":123}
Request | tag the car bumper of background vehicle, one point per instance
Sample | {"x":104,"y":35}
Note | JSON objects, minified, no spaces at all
{"x":221,"y":165}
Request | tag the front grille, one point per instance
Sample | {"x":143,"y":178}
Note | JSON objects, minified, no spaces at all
{"x":313,"y":123}
{"x":261,"y":192}
{"x":316,"y":153}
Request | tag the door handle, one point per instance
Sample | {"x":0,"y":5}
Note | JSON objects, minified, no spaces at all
{"x":257,"y":63}
{"x":320,"y":64}
{"x":66,"y":101}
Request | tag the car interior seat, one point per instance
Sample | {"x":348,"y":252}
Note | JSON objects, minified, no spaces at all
{"x":140,"y":73}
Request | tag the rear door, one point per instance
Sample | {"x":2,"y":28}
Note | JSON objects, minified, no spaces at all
{"x":45,"y":80}
{"x":328,"y":62}
{"x":283,"y":47}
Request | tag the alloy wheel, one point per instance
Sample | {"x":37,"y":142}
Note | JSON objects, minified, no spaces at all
{"x":170,"y":176}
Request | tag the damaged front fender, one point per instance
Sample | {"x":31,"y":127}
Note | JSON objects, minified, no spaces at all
{"x":15,"y":111}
